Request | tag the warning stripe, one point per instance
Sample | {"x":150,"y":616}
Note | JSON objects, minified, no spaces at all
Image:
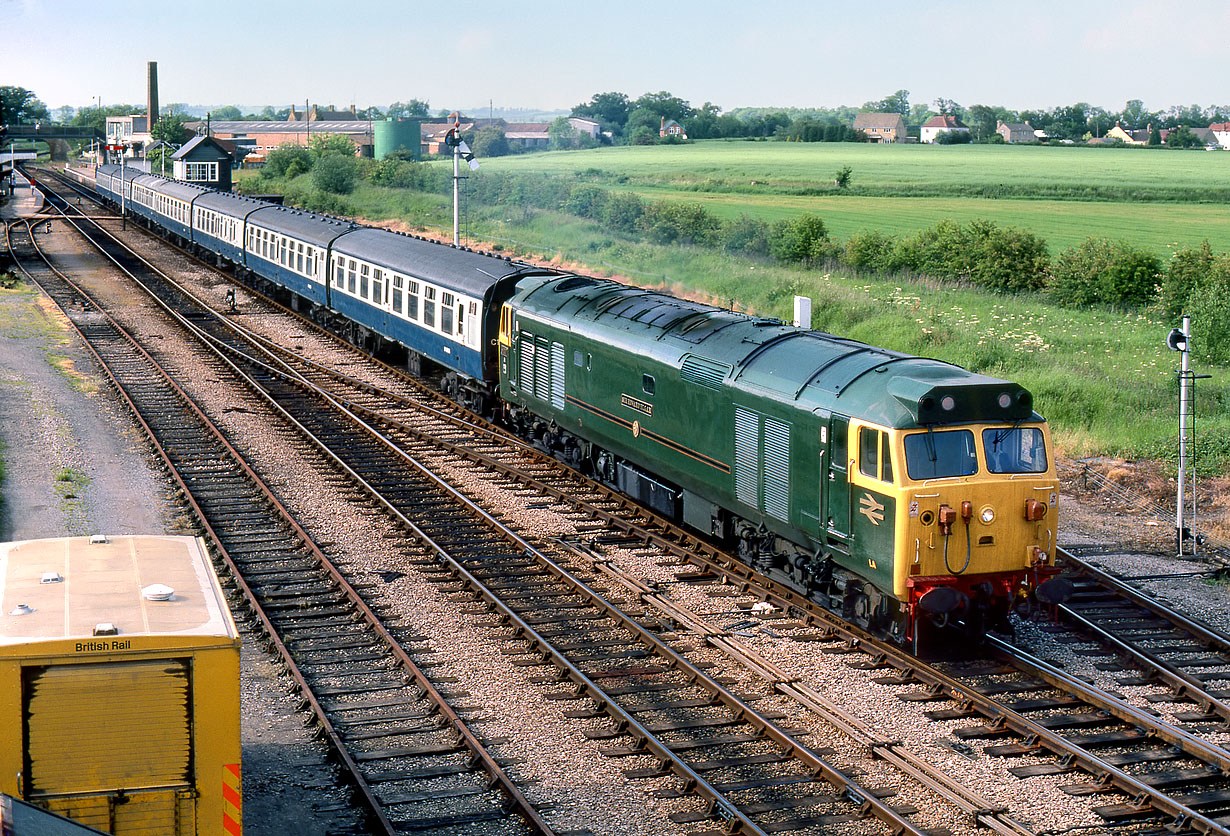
{"x":232,"y":800}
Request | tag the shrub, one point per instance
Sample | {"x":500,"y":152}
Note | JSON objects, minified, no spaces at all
{"x":746,"y":235}
{"x":686,"y":223}
{"x":869,"y":249}
{"x":280,"y":161}
{"x":586,"y":200}
{"x":1209,"y":308}
{"x":1099,"y":270}
{"x":334,"y":173}
{"x":396,"y":173}
{"x":802,"y":238}
{"x":623,"y":211}
{"x":953,"y":138}
{"x":1189,"y":269}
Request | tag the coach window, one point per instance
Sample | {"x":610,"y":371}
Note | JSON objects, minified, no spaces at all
{"x":446,"y":313}
{"x":311,"y":261}
{"x":363,"y":273}
{"x":350,"y":276}
{"x":377,"y":286}
{"x":398,"y":284}
{"x":429,"y":307}
{"x":299,"y":258}
{"x":412,"y":301}
{"x":461,"y":319}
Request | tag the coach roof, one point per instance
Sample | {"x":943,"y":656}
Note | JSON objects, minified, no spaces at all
{"x":303,"y":226}
{"x":466,"y":272}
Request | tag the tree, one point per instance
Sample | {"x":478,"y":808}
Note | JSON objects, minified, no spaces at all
{"x":841,"y":178}
{"x":611,"y":109}
{"x":491,"y":142}
{"x":949,"y":108}
{"x":1182,"y":137}
{"x":563,"y":135}
{"x":413,"y":109}
{"x":228,"y":113}
{"x":324,"y":145}
{"x":665,"y":106}
{"x":1155,"y":135}
{"x":289,"y":160}
{"x":335,"y":173}
{"x":704,"y":123}
{"x":985,"y":118}
{"x":65,"y":114}
{"x":1134,"y":114}
{"x":169,"y":129}
{"x":20,"y":106}
{"x":898,"y":102}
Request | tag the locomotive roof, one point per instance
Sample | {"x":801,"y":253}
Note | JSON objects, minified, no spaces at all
{"x":464,"y":271}
{"x":769,"y":358}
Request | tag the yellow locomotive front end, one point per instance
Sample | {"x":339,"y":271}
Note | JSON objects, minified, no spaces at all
{"x":976,"y":526}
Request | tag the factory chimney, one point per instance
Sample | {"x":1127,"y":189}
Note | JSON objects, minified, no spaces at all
{"x":152,"y":88}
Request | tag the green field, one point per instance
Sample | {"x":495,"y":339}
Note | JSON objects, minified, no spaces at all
{"x":1154,"y":198}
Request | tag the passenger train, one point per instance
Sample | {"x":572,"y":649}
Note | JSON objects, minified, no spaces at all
{"x":916,"y":497}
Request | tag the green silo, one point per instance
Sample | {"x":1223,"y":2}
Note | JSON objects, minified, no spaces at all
{"x":392,"y":134}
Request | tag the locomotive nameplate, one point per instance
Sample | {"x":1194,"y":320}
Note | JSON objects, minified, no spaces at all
{"x":637,"y":404}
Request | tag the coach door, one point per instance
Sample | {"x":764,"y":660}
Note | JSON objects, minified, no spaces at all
{"x":836,"y":482}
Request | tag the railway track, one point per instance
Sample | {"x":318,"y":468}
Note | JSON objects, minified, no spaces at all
{"x":652,"y":700}
{"x":1185,"y":794}
{"x":392,"y":730}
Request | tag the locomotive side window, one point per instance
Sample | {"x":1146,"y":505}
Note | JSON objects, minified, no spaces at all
{"x":1015,"y":450}
{"x":886,"y":457}
{"x":936,"y":455}
{"x":869,"y":452}
{"x":648,"y":384}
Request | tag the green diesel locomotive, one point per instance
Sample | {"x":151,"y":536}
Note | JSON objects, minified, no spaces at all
{"x":909,"y":491}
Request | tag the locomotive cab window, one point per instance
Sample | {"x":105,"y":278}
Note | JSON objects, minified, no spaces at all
{"x":937,"y":455}
{"x":875,"y":454}
{"x":1015,"y":450}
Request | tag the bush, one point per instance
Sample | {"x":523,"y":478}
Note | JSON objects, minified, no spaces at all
{"x":746,"y":235}
{"x":1190,"y":268}
{"x":870,"y":249}
{"x":1209,"y":308}
{"x":953,"y":138}
{"x":280,"y":162}
{"x":623,"y":211}
{"x":685,"y":223}
{"x":1099,"y":270}
{"x":586,"y":201}
{"x":802,"y":238}
{"x":335,"y":173}
{"x":396,"y":173}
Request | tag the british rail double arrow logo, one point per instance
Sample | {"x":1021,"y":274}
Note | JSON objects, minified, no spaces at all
{"x":871,"y":509}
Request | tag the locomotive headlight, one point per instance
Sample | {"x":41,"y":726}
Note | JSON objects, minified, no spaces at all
{"x":987,"y":515}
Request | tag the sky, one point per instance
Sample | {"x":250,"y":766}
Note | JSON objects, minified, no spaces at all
{"x":547,"y":54}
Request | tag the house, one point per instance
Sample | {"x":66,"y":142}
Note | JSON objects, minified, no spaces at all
{"x":672,"y":128}
{"x":1015,"y":131}
{"x":940,"y":124}
{"x":205,"y":161}
{"x":1128,"y":136}
{"x":591,"y":127}
{"x":881,"y":127}
{"x":1221,"y":132}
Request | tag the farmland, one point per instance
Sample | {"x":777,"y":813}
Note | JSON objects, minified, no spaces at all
{"x":1153,"y":198}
